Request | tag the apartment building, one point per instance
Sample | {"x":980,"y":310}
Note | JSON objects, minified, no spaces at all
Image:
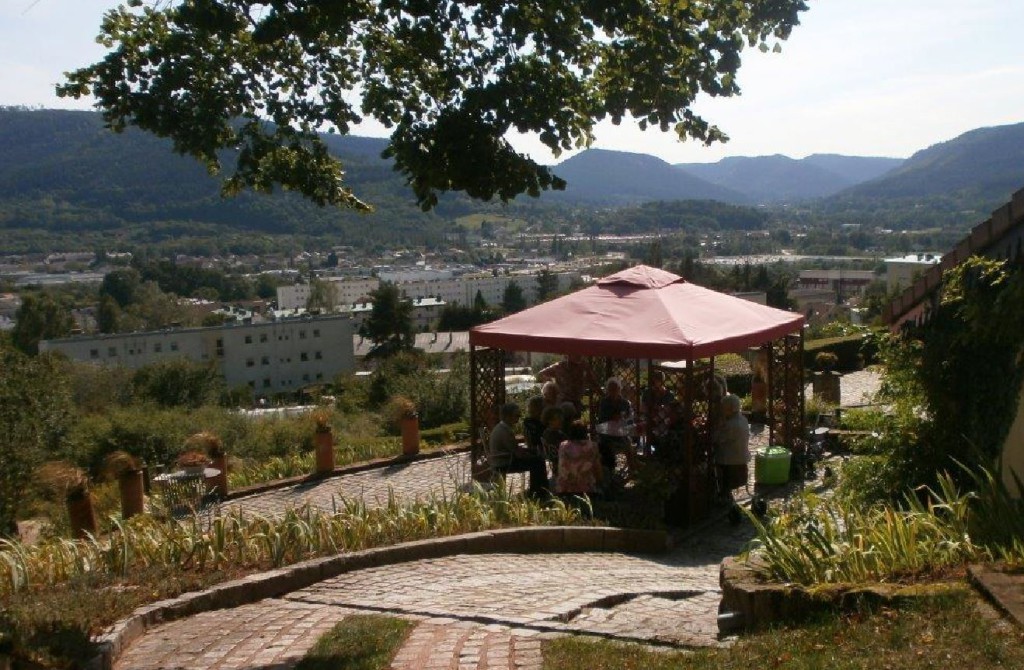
{"x":270,"y":357}
{"x":839,"y":281}
{"x":903,"y":271}
{"x":348,"y":290}
{"x":460,"y":290}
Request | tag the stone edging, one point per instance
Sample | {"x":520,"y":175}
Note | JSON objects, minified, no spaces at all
{"x":344,"y":470}
{"x":540,"y":539}
{"x":748,"y":602}
{"x":1001,"y":588}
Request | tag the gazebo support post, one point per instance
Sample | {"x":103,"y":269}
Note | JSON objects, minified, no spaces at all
{"x":769,"y":351}
{"x":475,"y":442}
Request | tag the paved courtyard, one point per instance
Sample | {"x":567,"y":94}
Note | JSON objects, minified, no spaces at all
{"x":471,"y":611}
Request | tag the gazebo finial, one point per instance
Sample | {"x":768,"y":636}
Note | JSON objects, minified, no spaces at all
{"x":641,"y":276}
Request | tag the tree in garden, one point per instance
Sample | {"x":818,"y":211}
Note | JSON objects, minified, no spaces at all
{"x":178,"y":383}
{"x":40,"y":317}
{"x":323,"y":296}
{"x":513,"y":300}
{"x":122,"y":285}
{"x":389,"y":325}
{"x":450,"y":79}
{"x":547,"y":285}
{"x":108,"y":315}
{"x":35,"y":414}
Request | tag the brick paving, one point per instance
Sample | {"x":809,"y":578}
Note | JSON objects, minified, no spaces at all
{"x":481,"y":612}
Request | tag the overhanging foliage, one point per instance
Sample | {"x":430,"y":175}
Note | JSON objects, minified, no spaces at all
{"x":450,"y":78}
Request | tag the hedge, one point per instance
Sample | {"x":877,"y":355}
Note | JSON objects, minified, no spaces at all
{"x":854,"y":351}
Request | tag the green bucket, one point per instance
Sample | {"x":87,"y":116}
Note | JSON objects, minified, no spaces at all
{"x":771,"y":465}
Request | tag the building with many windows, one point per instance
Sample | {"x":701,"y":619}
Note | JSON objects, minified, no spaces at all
{"x":461,"y":290}
{"x":270,"y":357}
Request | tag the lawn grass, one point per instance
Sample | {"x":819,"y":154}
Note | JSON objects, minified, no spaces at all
{"x":358,"y":642}
{"x":941,"y":633}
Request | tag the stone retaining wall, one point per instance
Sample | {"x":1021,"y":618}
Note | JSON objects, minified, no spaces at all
{"x":750,"y":603}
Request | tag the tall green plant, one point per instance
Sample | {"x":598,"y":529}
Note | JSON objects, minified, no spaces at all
{"x":35,"y":413}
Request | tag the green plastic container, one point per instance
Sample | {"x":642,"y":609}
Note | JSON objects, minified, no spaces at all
{"x":771,"y":465}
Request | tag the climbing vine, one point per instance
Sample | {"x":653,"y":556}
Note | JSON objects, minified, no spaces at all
{"x":967,"y":363}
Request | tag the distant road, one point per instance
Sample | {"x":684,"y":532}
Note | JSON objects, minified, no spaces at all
{"x":760,"y":259}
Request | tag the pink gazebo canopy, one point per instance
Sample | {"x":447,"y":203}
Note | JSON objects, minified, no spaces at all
{"x":641,"y":312}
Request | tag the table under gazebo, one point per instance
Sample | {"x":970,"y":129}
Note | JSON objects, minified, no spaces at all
{"x":641,"y":319}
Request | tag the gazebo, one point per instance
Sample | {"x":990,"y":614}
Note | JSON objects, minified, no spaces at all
{"x":646,"y":318}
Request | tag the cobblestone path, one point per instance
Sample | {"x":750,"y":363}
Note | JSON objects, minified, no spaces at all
{"x":472,"y":611}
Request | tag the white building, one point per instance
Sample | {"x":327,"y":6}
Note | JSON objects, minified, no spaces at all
{"x":349,"y":290}
{"x":838,"y":280}
{"x":460,"y":290}
{"x":903,"y":270}
{"x":426,"y":312}
{"x":269,"y":357}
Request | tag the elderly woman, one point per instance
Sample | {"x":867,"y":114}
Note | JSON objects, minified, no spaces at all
{"x":549,"y":393}
{"x":612,"y":407}
{"x":732,"y":440}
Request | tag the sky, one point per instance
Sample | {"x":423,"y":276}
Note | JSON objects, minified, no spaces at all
{"x":857,"y":77}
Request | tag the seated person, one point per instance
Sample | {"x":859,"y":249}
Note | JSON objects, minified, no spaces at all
{"x":579,"y":471}
{"x":732,"y":440}
{"x":656,"y":401}
{"x":553,"y":419}
{"x":533,"y":426}
{"x":506,"y":455}
{"x":549,"y":393}
{"x":612,"y":407}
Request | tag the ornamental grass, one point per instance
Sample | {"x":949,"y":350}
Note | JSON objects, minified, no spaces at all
{"x":238,"y":540}
{"x":815,"y":541}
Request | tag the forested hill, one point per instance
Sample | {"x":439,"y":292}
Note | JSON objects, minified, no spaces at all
{"x":607,"y":177}
{"x":780,"y":179}
{"x":984,"y":165}
{"x":63,"y":171}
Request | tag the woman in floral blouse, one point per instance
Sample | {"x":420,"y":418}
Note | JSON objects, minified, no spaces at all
{"x":579,"y":467}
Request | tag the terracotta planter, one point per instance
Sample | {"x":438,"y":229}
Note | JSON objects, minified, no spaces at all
{"x":218,"y":484}
{"x":81,"y":514}
{"x":132,"y":490}
{"x":410,"y":436}
{"x":324,"y":452}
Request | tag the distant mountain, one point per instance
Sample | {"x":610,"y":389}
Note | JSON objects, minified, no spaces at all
{"x":854,"y":169}
{"x":983,"y":165}
{"x":780,"y":179}
{"x":622,"y":178}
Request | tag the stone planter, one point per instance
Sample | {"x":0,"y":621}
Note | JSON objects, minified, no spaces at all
{"x":81,"y":514}
{"x":132,"y":493}
{"x":324,"y":452}
{"x":826,"y":387}
{"x":410,"y":436}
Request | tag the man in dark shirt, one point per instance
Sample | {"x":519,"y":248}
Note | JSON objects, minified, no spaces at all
{"x":507,"y":456}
